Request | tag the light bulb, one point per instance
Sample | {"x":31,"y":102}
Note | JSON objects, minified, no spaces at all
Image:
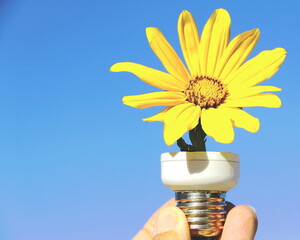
{"x":200,"y":181}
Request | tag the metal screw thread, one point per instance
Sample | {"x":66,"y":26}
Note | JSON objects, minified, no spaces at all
{"x":204,"y":211}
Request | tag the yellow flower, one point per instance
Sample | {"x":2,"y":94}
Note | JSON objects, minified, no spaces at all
{"x":216,"y":83}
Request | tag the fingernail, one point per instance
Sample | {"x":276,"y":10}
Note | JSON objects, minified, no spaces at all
{"x":166,"y":221}
{"x":252,"y":208}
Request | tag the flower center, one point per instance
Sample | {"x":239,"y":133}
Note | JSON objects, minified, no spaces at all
{"x":206,"y":92}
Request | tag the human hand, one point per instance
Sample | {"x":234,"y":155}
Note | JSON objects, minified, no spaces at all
{"x":169,"y":223}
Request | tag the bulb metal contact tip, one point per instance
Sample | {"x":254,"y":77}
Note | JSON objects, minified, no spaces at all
{"x":204,"y":211}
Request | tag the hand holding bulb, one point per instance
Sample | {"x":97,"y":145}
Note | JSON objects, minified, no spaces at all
{"x":169,"y":223}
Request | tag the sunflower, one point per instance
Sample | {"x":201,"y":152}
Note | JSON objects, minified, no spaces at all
{"x":216,"y":84}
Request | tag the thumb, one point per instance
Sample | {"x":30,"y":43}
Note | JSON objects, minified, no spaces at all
{"x":171,"y":224}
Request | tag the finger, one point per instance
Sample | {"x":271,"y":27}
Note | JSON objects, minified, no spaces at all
{"x":147,"y":232}
{"x":150,"y":224}
{"x":171,"y":224}
{"x":241,"y":224}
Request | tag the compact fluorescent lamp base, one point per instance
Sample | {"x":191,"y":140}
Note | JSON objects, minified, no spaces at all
{"x":200,"y":181}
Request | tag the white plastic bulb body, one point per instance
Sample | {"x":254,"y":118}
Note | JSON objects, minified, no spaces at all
{"x":200,"y":181}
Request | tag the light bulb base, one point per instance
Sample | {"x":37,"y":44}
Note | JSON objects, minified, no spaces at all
{"x":200,"y":181}
{"x":204,"y":211}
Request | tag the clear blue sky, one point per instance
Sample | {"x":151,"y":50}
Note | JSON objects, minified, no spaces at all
{"x":77,"y":164}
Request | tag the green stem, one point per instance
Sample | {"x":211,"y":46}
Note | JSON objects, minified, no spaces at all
{"x":184,"y":147}
{"x":198,"y":139}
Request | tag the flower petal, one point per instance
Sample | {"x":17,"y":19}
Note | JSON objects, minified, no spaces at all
{"x":151,"y":76}
{"x":253,"y":91}
{"x":257,"y":69}
{"x":243,"y":119}
{"x":165,"y":98}
{"x":216,"y":123}
{"x":236,"y":53}
{"x":189,"y":41}
{"x":214,"y":39}
{"x":180,"y":119}
{"x":167,"y":54}
{"x":269,"y":100}
{"x":158,"y":117}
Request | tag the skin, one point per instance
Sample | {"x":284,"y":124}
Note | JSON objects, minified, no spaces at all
{"x":169,"y":223}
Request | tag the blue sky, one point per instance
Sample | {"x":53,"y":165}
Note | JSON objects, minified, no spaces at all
{"x":77,"y":164}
